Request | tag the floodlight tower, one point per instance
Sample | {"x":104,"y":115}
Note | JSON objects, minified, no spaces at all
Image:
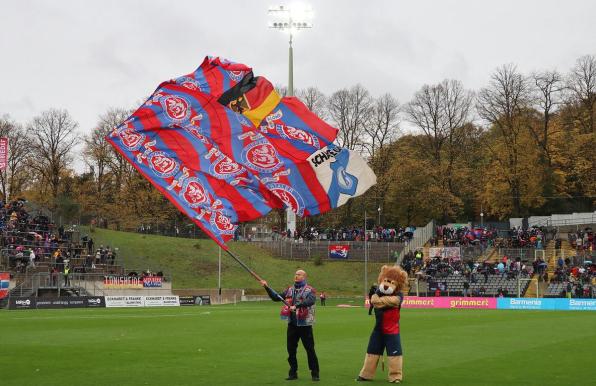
{"x":290,"y":19}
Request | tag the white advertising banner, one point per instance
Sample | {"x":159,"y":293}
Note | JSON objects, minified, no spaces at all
{"x":125,"y":301}
{"x":142,"y":301}
{"x":171,"y":301}
{"x":162,"y":301}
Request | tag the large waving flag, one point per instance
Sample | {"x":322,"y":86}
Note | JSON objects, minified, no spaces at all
{"x":224,"y":147}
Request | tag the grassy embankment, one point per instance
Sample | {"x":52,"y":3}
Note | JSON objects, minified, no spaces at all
{"x":194,"y":264}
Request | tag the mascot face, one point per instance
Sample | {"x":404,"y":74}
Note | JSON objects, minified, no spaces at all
{"x":387,"y":286}
{"x":391,"y":279}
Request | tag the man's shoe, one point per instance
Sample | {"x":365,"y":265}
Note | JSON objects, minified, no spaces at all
{"x":316,"y":378}
{"x":292,"y":377}
{"x":360,"y":379}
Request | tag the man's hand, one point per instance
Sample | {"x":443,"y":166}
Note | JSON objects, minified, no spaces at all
{"x":264,"y":283}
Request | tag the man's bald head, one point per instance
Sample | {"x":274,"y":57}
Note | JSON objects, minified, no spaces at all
{"x":300,"y":275}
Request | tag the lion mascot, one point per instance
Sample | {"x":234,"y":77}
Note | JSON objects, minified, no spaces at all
{"x":385,"y":335}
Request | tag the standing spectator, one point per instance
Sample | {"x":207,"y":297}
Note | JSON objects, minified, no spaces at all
{"x":323,"y":298}
{"x":466,"y":288}
{"x":66,"y":276}
{"x":98,"y":257}
{"x":54,"y":276}
{"x":89,"y":263}
{"x":501,"y":268}
{"x":59,"y":262}
{"x":568,"y":290}
{"x":32,"y":258}
{"x":90,"y":246}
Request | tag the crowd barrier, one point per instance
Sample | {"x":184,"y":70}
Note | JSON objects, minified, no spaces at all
{"x":552,"y":304}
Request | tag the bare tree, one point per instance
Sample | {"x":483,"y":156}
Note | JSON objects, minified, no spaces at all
{"x":315,"y":100}
{"x":379,"y":133}
{"x":351,"y":111}
{"x":547,"y":97}
{"x":101,"y":156}
{"x":53,"y":139}
{"x":443,"y":113}
{"x":384,"y":124}
{"x":440,"y":111}
{"x":504,"y":104}
{"x":281,"y":90}
{"x":581,"y":83}
{"x":13,"y":179}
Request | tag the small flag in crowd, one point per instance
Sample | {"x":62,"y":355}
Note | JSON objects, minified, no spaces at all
{"x":224,"y":147}
{"x":339,"y":251}
{"x":4,"y":284}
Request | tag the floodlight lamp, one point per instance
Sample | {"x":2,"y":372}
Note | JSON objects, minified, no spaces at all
{"x":297,"y":16}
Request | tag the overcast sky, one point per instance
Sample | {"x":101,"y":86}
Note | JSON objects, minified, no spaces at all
{"x":87,"y":56}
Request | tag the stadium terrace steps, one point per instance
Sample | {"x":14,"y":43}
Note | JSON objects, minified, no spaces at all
{"x":492,"y":256}
{"x":531,"y":291}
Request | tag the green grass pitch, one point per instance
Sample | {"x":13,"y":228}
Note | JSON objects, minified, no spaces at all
{"x":244,"y":344}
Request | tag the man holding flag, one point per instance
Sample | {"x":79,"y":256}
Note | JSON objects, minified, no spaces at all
{"x":224,"y":147}
{"x":299,"y":312}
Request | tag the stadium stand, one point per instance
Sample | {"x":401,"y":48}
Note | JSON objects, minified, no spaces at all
{"x":41,"y":256}
{"x":448,"y":277}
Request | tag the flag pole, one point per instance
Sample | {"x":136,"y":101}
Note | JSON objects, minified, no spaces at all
{"x":219,"y":276}
{"x":253,"y":273}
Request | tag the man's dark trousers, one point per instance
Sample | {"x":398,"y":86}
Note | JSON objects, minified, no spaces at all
{"x":296,"y":333}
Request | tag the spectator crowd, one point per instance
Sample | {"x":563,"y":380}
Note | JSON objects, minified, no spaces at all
{"x":576,"y":280}
{"x":352,"y":233}
{"x":27,"y":240}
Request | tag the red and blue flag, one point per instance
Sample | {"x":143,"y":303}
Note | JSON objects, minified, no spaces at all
{"x":224,"y":147}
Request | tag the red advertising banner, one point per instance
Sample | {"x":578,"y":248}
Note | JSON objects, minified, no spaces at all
{"x":3,"y":152}
{"x":132,"y":281}
{"x":448,"y":302}
{"x":4,"y":283}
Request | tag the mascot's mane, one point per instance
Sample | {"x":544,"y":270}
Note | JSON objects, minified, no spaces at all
{"x":394,"y":273}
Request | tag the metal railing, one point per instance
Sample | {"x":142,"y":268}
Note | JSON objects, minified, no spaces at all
{"x":292,"y":250}
{"x":80,"y":284}
{"x":454,"y":286}
{"x":524,"y":254}
{"x":584,"y":220}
